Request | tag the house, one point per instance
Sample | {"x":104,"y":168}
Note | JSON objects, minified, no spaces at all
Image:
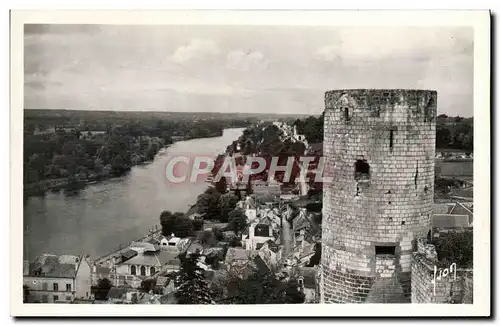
{"x":100,"y":272}
{"x":57,"y":279}
{"x":117,"y":294}
{"x":304,"y":221}
{"x":239,"y":262}
{"x":194,"y":248}
{"x":264,"y":188}
{"x":145,"y":264}
{"x":449,"y":221}
{"x":256,"y":235}
{"x":214,"y":252}
{"x":174,"y":244}
{"x":464,"y":208}
{"x":465,"y":194}
{"x":270,"y":253}
{"x":269,"y":216}
{"x":307,"y":278}
{"x":459,"y":216}
{"x":302,"y":252}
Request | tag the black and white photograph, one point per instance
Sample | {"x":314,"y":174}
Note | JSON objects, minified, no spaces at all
{"x":250,"y":162}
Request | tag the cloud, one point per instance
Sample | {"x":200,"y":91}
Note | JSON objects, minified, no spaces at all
{"x":381,"y":43}
{"x":195,"y":49}
{"x":327,"y":53}
{"x":245,"y":60}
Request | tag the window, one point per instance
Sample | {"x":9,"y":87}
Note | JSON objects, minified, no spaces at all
{"x":362,"y":170}
{"x":391,"y":140}
{"x":143,"y":271}
{"x":132,"y":270}
{"x":261,"y":230}
{"x":56,"y":298}
{"x":346,"y":114}
{"x":152,"y":271}
{"x":45,"y":286}
{"x":55,"y":287}
{"x":385,"y":250}
{"x":68,"y":287}
{"x":68,"y":298}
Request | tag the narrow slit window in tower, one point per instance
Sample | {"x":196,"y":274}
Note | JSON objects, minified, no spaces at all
{"x":346,"y":114}
{"x":416,"y":176}
{"x":391,"y":139}
{"x":362,"y":170}
{"x":385,"y":250}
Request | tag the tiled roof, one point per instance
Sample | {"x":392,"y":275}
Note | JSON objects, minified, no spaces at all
{"x":146,"y":260}
{"x":102,"y":270}
{"x":168,"y":258}
{"x":213,"y":251}
{"x":260,"y":265}
{"x":129,"y":253}
{"x":234,"y":254}
{"x":448,"y":221}
{"x":145,"y":245}
{"x":52,"y":266}
{"x":463,"y":192}
{"x":195,"y":247}
{"x":442,"y":208}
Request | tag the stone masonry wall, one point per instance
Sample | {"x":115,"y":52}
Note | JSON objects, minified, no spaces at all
{"x":450,"y":287}
{"x":392,"y":132}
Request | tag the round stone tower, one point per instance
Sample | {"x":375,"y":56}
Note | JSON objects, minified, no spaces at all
{"x":379,"y":148}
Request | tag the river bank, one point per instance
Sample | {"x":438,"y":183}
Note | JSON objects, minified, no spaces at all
{"x":70,"y":183}
{"x":104,"y":214}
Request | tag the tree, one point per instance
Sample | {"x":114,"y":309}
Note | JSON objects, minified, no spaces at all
{"x":176,"y":224}
{"x":258,"y":288}
{"x":208,"y":203}
{"x":26,"y":294}
{"x":198,"y":224}
{"x":455,"y":247}
{"x":103,"y":287}
{"x":237,"y":221}
{"x":219,"y":236}
{"x":293,"y":294}
{"x":208,"y":238}
{"x":227,"y":203}
{"x":192,"y":288}
{"x":148,"y":285}
{"x":221,"y":185}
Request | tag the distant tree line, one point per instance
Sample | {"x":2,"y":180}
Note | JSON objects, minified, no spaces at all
{"x":79,"y":152}
{"x":451,"y":132}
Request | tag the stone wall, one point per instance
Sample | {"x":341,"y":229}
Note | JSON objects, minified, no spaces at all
{"x":432,"y":282}
{"x":379,"y":148}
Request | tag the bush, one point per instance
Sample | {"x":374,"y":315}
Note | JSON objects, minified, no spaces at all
{"x":455,"y":247}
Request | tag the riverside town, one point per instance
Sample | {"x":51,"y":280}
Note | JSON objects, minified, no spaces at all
{"x":190,"y":165}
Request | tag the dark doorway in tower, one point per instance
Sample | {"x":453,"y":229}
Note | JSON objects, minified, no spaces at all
{"x":385,"y":250}
{"x":361,"y":170}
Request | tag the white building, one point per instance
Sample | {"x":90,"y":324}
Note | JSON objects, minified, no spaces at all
{"x":257,"y":235}
{"x":136,"y":265}
{"x":53,"y":279}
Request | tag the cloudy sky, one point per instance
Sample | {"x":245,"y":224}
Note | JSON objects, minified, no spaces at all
{"x":239,"y":68}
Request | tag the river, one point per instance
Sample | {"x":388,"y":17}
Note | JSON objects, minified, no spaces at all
{"x":98,"y":218}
